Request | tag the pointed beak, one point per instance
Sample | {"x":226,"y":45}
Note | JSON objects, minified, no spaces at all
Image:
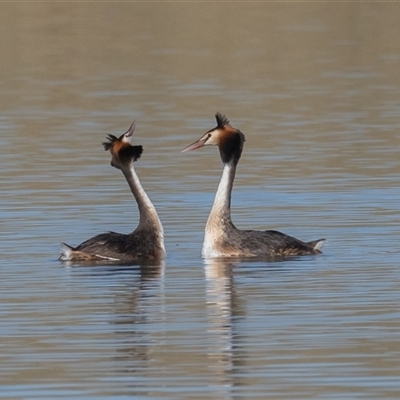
{"x":131,"y":129}
{"x":196,"y":145}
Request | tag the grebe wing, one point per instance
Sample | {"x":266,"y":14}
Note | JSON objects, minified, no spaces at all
{"x":271,"y":241}
{"x":106,"y":243}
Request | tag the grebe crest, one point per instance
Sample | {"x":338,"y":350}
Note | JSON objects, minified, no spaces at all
{"x":222,"y":238}
{"x":121,"y":149}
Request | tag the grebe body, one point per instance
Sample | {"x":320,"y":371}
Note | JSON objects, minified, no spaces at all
{"x":146,"y":242}
{"x":222,"y":238}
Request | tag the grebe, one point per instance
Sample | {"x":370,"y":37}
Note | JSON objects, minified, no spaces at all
{"x":146,"y":242}
{"x":222,"y":238}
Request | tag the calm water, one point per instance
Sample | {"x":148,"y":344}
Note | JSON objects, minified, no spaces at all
{"x":315,"y":88}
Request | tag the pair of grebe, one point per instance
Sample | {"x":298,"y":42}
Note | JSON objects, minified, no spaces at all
{"x":222,"y":238}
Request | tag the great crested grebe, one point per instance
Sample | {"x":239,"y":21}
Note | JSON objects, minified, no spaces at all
{"x":222,"y":238}
{"x":146,"y":242}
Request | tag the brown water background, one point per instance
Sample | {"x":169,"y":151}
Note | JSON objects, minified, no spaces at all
{"x":315,"y":87}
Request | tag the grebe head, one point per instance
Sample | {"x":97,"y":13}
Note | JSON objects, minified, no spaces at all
{"x":228,"y":139}
{"x":122,"y":152}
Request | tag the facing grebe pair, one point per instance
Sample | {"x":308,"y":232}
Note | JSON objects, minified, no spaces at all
{"x":222,"y":238}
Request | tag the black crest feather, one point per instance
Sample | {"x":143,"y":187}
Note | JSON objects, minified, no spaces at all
{"x":111,"y":140}
{"x":130,"y":153}
{"x":221,"y":120}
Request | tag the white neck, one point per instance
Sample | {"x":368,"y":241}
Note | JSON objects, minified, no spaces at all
{"x":219,"y":221}
{"x":148,"y":214}
{"x":222,"y":200}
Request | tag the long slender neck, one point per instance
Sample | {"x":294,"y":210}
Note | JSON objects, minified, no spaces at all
{"x":147,"y":211}
{"x":221,"y":210}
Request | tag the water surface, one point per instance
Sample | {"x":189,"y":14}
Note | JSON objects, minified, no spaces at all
{"x":314,"y":87}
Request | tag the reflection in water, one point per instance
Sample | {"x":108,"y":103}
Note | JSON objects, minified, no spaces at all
{"x":147,"y":269}
{"x":223,"y":310}
{"x":137,"y":309}
{"x":121,"y":309}
{"x":138,"y":306}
